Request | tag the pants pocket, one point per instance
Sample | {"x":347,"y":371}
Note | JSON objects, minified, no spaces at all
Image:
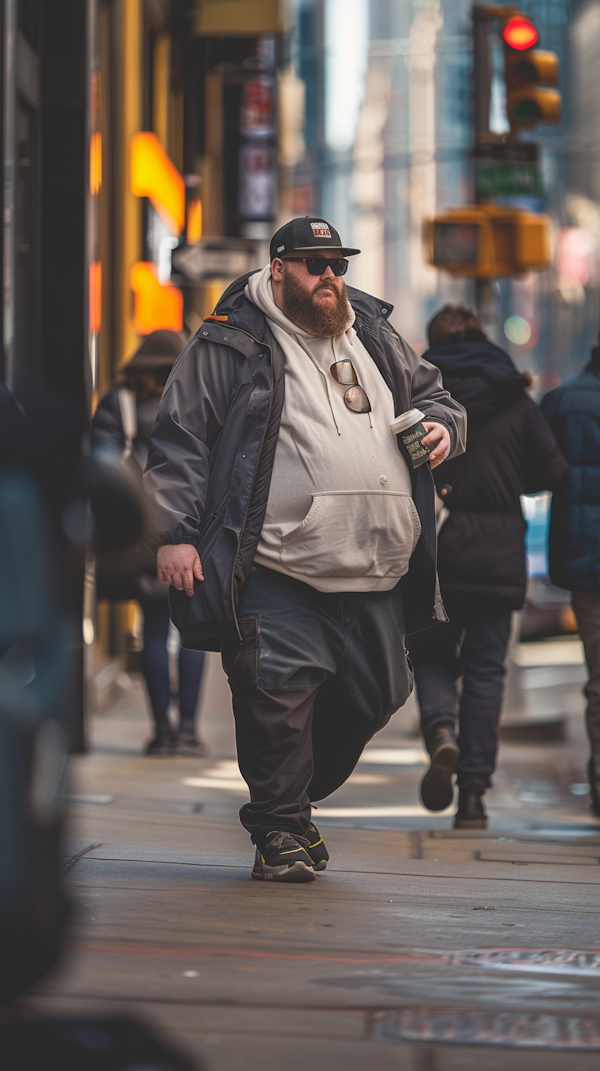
{"x":240,"y":661}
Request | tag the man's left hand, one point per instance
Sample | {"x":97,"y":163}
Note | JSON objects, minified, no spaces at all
{"x":439,"y":435}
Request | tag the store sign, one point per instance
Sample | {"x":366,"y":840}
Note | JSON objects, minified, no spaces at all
{"x":257,"y":182}
{"x":157,"y":307}
{"x":240,"y":17}
{"x":154,"y":175}
{"x":257,"y":113}
{"x":215,"y":259}
{"x":497,"y":179}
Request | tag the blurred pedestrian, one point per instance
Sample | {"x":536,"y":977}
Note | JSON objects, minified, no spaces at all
{"x":122,"y":423}
{"x":573,"y":413}
{"x":481,"y":559}
{"x":291,"y":517}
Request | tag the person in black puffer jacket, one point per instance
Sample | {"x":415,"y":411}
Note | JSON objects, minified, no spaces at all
{"x":481,"y":558}
{"x":573,"y":414}
{"x":122,"y":424}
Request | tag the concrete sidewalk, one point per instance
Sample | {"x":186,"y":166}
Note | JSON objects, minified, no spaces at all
{"x":419,"y":947}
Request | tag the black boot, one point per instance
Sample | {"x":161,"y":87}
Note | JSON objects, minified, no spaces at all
{"x":471,"y":813}
{"x":436,"y":786}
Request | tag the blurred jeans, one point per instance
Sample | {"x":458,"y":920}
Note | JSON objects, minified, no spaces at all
{"x":587,"y":611}
{"x":155,"y":667}
{"x":472,"y":646}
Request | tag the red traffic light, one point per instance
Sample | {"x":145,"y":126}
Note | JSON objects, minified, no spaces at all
{"x":520,"y":34}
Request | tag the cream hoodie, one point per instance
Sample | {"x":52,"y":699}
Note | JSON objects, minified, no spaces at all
{"x":340,"y":514}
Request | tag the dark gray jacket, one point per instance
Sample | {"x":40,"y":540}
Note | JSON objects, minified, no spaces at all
{"x":213,"y":445}
{"x":573,"y":413}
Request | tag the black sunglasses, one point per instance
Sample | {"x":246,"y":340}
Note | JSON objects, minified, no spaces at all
{"x":318,"y":265}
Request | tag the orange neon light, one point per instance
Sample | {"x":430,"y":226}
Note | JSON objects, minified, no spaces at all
{"x":95,"y":297}
{"x":153,"y":175}
{"x":156,"y":307}
{"x":194,"y":222}
{"x":96,"y":162}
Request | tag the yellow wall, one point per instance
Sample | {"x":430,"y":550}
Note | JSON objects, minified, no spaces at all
{"x":127,"y":208}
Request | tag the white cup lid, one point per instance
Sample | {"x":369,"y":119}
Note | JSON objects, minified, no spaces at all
{"x":406,"y":420}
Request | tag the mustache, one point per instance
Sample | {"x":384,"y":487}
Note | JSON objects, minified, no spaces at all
{"x":325,"y":286}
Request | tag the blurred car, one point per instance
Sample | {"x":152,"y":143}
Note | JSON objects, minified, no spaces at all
{"x":547,"y":611}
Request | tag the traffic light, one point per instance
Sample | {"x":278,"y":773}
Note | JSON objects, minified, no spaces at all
{"x":488,"y":241}
{"x":528,"y":71}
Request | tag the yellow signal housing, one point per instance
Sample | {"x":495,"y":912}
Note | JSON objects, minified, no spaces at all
{"x":527,"y":73}
{"x":488,"y":241}
{"x":528,"y":107}
{"x":531,"y":237}
{"x":535,"y":67}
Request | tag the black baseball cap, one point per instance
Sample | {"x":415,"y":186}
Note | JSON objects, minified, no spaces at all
{"x":308,"y":234}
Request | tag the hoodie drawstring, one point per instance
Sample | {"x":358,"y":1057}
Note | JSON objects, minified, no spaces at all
{"x":302,"y":343}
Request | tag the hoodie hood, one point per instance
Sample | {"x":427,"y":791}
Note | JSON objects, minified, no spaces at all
{"x":479,"y":374}
{"x":321,"y":351}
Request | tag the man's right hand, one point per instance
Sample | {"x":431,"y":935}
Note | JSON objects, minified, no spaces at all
{"x":179,"y":565}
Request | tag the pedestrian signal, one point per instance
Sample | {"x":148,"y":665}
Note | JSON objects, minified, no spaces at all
{"x":528,"y":72}
{"x":486,"y":241}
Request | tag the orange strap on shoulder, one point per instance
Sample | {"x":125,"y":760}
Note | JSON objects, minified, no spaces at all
{"x":220,"y":319}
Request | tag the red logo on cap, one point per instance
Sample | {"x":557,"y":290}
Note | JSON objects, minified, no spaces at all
{"x":320,"y":230}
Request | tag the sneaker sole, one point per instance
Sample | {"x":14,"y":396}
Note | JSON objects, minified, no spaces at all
{"x":470,"y":823}
{"x":298,"y":873}
{"x":321,"y":866}
{"x":436,"y":788}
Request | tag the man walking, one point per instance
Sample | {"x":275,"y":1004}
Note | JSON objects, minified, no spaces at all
{"x":481,"y":560}
{"x":297,"y":539}
{"x":573,"y":413}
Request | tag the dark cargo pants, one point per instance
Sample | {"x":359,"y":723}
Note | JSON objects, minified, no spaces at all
{"x":317,"y":675}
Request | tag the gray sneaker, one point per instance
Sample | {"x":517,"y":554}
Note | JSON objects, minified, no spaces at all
{"x":283,"y":858}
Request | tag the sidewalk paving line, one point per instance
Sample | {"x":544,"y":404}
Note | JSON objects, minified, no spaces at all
{"x":413,"y":811}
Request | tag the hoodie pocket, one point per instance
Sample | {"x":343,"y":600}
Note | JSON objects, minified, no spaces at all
{"x":353,"y":534}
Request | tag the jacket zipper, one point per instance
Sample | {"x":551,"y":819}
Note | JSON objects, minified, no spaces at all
{"x":237,"y":557}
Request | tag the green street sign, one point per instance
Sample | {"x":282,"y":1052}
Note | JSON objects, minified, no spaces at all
{"x":494,"y":179}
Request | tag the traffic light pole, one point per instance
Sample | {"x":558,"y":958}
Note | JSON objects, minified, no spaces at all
{"x":482,"y":72}
{"x":482,"y":91}
{"x":486,"y":241}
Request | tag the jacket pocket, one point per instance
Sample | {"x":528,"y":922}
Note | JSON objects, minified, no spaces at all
{"x":353,"y":534}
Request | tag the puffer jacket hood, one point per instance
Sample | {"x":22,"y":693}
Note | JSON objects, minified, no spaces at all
{"x":573,"y":413}
{"x":509,"y":453}
{"x":479,"y":374}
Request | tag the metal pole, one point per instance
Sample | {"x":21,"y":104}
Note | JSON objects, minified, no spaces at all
{"x":482,"y":92}
{"x":482,"y":73}
{"x":10,"y":149}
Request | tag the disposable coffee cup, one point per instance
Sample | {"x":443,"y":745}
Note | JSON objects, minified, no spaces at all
{"x":409,"y":428}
